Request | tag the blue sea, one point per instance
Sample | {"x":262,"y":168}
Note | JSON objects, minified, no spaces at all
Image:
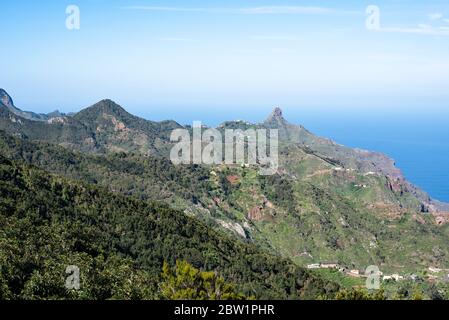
{"x":418,"y":143}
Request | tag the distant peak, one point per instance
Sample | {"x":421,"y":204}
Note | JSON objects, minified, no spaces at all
{"x":107,"y":105}
{"x":108,"y":101}
{"x":277,"y":113}
{"x":55,"y":114}
{"x":5,"y":99}
{"x":276,"y":116}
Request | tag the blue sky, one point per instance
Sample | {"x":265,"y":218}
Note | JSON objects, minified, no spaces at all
{"x":192,"y":59}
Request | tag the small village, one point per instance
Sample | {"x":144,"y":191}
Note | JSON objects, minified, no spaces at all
{"x":432,"y":274}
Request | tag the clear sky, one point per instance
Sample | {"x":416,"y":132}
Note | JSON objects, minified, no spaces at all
{"x":210,"y":58}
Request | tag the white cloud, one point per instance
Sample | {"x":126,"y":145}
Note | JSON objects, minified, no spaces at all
{"x":285,"y":10}
{"x":302,"y":10}
{"x":172,"y":9}
{"x":435,"y":16}
{"x":422,"y":29}
{"x":425,"y":26}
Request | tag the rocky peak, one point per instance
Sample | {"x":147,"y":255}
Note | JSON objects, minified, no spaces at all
{"x":108,"y":105}
{"x":105,"y":106}
{"x":276,"y":117}
{"x":5,"y":99}
{"x":55,"y":114}
{"x":7,"y":102}
{"x":277,"y":113}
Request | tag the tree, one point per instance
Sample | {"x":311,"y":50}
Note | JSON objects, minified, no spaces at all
{"x":185,"y":282}
{"x":357,"y":294}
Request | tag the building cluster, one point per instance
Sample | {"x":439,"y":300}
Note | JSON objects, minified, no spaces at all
{"x":393,"y":277}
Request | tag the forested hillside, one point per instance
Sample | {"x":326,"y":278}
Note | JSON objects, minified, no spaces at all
{"x":119,"y":243}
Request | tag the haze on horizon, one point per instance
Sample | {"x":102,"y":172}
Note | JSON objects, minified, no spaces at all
{"x":162,"y":58}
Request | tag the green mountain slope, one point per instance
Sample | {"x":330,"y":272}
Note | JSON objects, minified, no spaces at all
{"x":101,"y":128}
{"x":119,"y":244}
{"x":305,"y":220}
{"x":114,"y":129}
{"x":144,"y":177}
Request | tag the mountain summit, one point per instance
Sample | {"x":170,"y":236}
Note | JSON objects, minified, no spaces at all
{"x":287,"y":131}
{"x":277,"y":113}
{"x":101,"y":108}
{"x":8,"y":103}
{"x":276,"y":118}
{"x":5,"y":99}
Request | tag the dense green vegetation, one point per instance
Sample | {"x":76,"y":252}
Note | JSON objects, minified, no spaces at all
{"x":119,"y":243}
{"x":327,"y":222}
{"x":185,"y":282}
{"x":101,"y":128}
{"x":144,"y":177}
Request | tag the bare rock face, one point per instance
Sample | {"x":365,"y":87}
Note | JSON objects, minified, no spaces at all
{"x":233,"y":179}
{"x":255,"y":214}
{"x":277,"y":113}
{"x":276,"y":117}
{"x":268,"y":204}
{"x":441,"y":218}
{"x":395,"y":185}
{"x":5,"y":99}
{"x":237,"y":228}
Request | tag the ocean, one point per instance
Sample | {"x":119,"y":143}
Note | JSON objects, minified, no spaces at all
{"x":418,"y":143}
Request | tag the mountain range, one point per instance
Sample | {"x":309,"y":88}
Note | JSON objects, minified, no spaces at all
{"x":326,"y":203}
{"x":8,"y":103}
